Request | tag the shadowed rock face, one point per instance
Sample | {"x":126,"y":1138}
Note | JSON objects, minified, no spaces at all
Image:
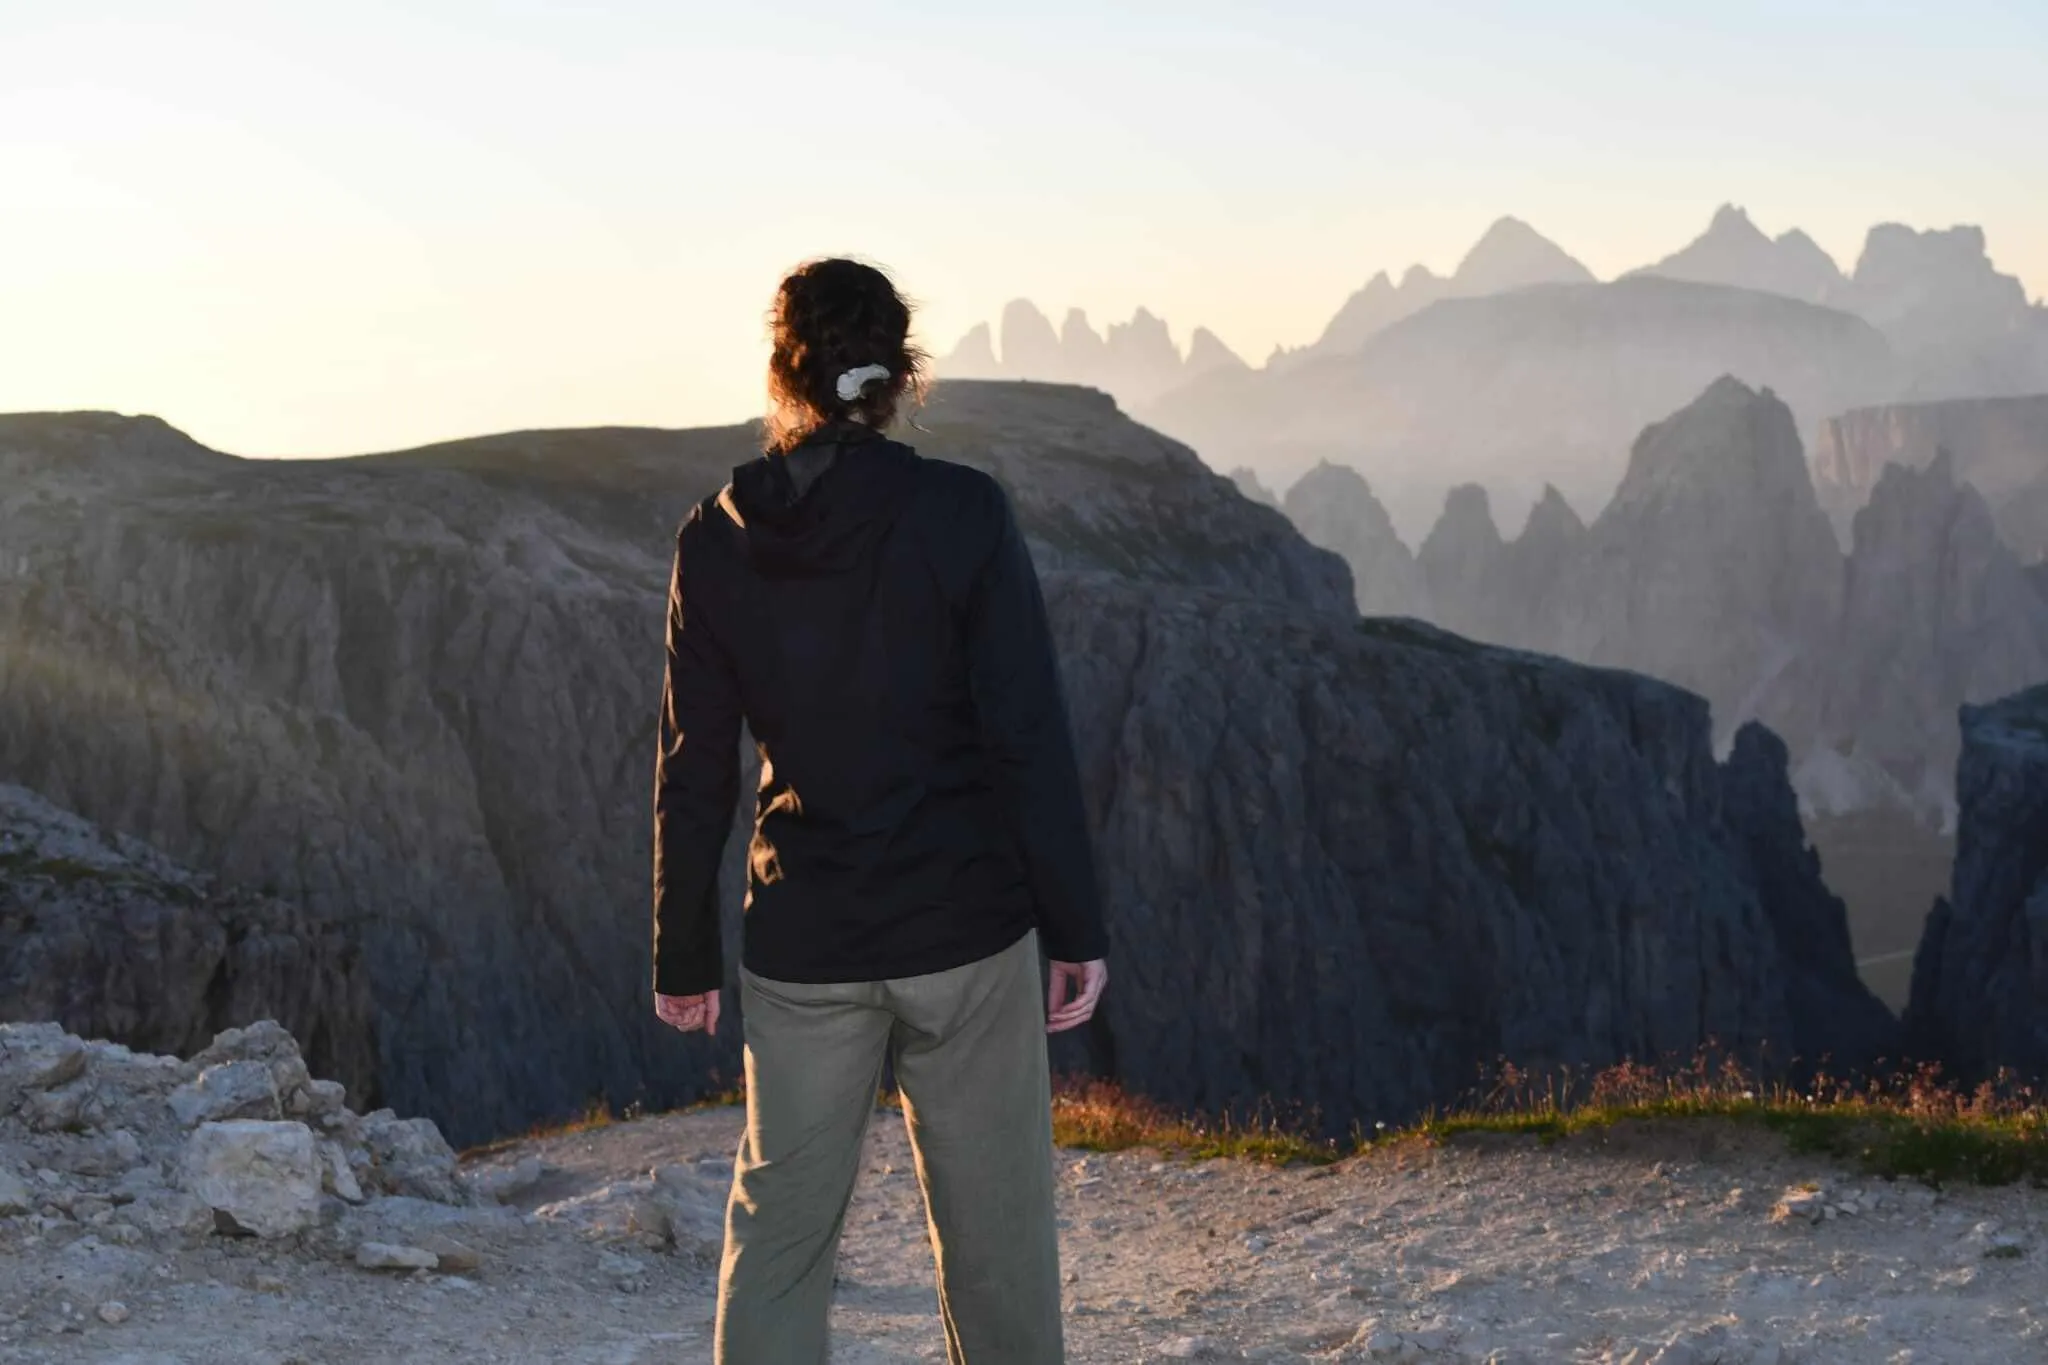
{"x":415,"y":693}
{"x":110,"y":939}
{"x":1980,"y":979}
{"x":1385,"y":857}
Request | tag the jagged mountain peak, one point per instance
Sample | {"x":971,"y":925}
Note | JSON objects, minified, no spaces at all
{"x":1743,"y":443}
{"x":1208,"y":353}
{"x":1552,"y":519}
{"x":1732,"y":221}
{"x":1735,"y":251}
{"x":1510,"y":254}
{"x":1467,"y":521}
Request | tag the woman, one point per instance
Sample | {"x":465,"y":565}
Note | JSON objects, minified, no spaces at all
{"x":918,"y":838}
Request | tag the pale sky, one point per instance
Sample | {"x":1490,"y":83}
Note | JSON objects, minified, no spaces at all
{"x":293,"y":228}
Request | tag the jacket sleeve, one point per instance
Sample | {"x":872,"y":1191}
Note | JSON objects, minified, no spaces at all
{"x":696,"y":790}
{"x":1015,"y":682}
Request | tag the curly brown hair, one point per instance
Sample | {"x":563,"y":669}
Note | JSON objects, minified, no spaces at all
{"x":830,"y":316}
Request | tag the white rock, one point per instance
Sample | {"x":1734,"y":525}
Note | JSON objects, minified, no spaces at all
{"x":113,"y":1311}
{"x":231,"y":1090}
{"x":1194,"y":1348}
{"x":336,"y":1177}
{"x":390,"y":1256}
{"x":263,"y":1174}
{"x":318,"y":1099}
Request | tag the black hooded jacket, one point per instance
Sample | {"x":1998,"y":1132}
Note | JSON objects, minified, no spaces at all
{"x":875,"y":619}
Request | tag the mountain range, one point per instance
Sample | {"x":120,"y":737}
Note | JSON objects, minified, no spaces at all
{"x":1575,"y":369}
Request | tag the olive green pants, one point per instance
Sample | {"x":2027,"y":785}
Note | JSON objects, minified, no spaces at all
{"x":969,"y":1051}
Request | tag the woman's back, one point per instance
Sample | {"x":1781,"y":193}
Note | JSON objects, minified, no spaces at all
{"x":871,"y":629}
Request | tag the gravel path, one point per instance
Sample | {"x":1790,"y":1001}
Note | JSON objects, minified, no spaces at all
{"x":1664,"y":1245}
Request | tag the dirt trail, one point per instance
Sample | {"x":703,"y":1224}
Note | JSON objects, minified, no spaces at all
{"x":1657,"y":1246}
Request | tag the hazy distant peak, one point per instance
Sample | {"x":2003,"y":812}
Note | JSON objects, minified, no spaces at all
{"x":1734,"y":251}
{"x":1510,"y":255}
{"x":974,"y":356}
{"x":1552,"y":519}
{"x":1732,"y":220}
{"x":1467,"y":521}
{"x":1207,"y":353}
{"x":1416,"y":275}
{"x":1024,"y":312}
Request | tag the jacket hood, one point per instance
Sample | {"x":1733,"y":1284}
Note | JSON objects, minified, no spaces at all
{"x":821,"y":507}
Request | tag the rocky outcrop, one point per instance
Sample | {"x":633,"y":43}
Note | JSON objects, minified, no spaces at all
{"x":1513,"y":391}
{"x":109,"y":938}
{"x":1980,"y":979}
{"x":1136,"y":361}
{"x":239,"y":1138}
{"x":1386,"y":857}
{"x":1999,"y":446}
{"x":1332,"y":506}
{"x":414,"y":693}
{"x":1733,"y":251}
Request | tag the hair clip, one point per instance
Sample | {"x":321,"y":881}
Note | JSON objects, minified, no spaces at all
{"x":853,"y":381}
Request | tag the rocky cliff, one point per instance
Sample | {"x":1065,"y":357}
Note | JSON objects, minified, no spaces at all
{"x":1999,"y":446}
{"x":414,"y":693}
{"x":109,"y":938}
{"x":1384,"y":857}
{"x":1980,"y":979}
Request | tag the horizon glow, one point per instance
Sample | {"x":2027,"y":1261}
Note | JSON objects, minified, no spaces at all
{"x":323,"y":233}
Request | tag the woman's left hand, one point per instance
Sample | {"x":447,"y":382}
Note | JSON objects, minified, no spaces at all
{"x":688,"y":1012}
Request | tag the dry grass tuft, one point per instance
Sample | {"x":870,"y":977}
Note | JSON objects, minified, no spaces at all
{"x":1913,"y":1124}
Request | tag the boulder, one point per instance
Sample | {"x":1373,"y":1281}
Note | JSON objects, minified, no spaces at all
{"x":410,"y":1157}
{"x":263,"y":1175}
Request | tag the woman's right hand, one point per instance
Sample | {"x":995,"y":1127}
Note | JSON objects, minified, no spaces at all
{"x":1084,"y":981}
{"x":688,"y":1012}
